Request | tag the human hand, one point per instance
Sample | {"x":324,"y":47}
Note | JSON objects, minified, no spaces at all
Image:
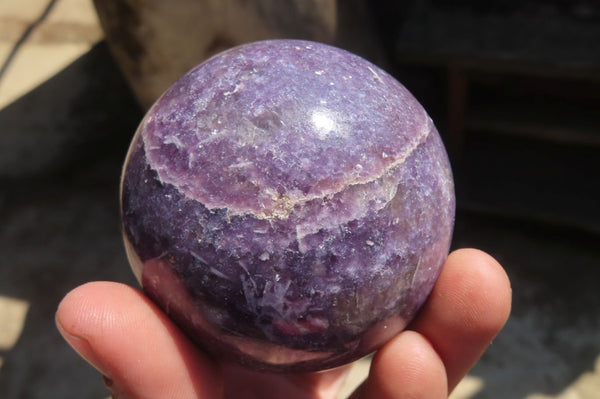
{"x":142,"y":354}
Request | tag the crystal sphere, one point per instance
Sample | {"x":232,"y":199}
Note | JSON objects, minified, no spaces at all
{"x":288,"y":205}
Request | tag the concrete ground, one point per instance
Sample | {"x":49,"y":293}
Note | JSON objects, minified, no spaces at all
{"x":66,"y":116}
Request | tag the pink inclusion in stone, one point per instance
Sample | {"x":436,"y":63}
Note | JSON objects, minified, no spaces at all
{"x":288,"y":204}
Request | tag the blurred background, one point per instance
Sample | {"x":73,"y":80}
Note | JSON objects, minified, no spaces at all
{"x":513,"y":87}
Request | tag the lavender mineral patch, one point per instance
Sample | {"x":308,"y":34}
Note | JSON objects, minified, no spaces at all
{"x":288,"y":204}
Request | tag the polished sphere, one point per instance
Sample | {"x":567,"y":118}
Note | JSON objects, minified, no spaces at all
{"x":288,"y":204}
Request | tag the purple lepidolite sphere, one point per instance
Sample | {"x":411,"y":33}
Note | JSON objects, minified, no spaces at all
{"x":288,"y":204}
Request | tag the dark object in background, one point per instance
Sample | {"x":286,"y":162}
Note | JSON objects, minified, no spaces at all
{"x":523,"y":77}
{"x":155,"y":42}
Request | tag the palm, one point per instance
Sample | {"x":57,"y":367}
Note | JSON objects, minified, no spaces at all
{"x":244,"y":384}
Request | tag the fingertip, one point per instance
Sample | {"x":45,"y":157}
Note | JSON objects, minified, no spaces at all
{"x":78,"y":318}
{"x":480,"y":292}
{"x":408,"y":367}
{"x":87,"y":305}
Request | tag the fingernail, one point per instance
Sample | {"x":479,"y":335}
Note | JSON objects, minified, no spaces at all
{"x":82,"y":346}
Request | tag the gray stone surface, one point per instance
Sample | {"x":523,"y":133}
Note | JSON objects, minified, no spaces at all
{"x":553,"y":335}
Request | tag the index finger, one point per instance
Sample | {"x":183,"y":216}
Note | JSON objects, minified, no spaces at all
{"x":468,"y":306}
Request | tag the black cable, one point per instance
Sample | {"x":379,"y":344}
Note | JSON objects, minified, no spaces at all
{"x":17,"y":46}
